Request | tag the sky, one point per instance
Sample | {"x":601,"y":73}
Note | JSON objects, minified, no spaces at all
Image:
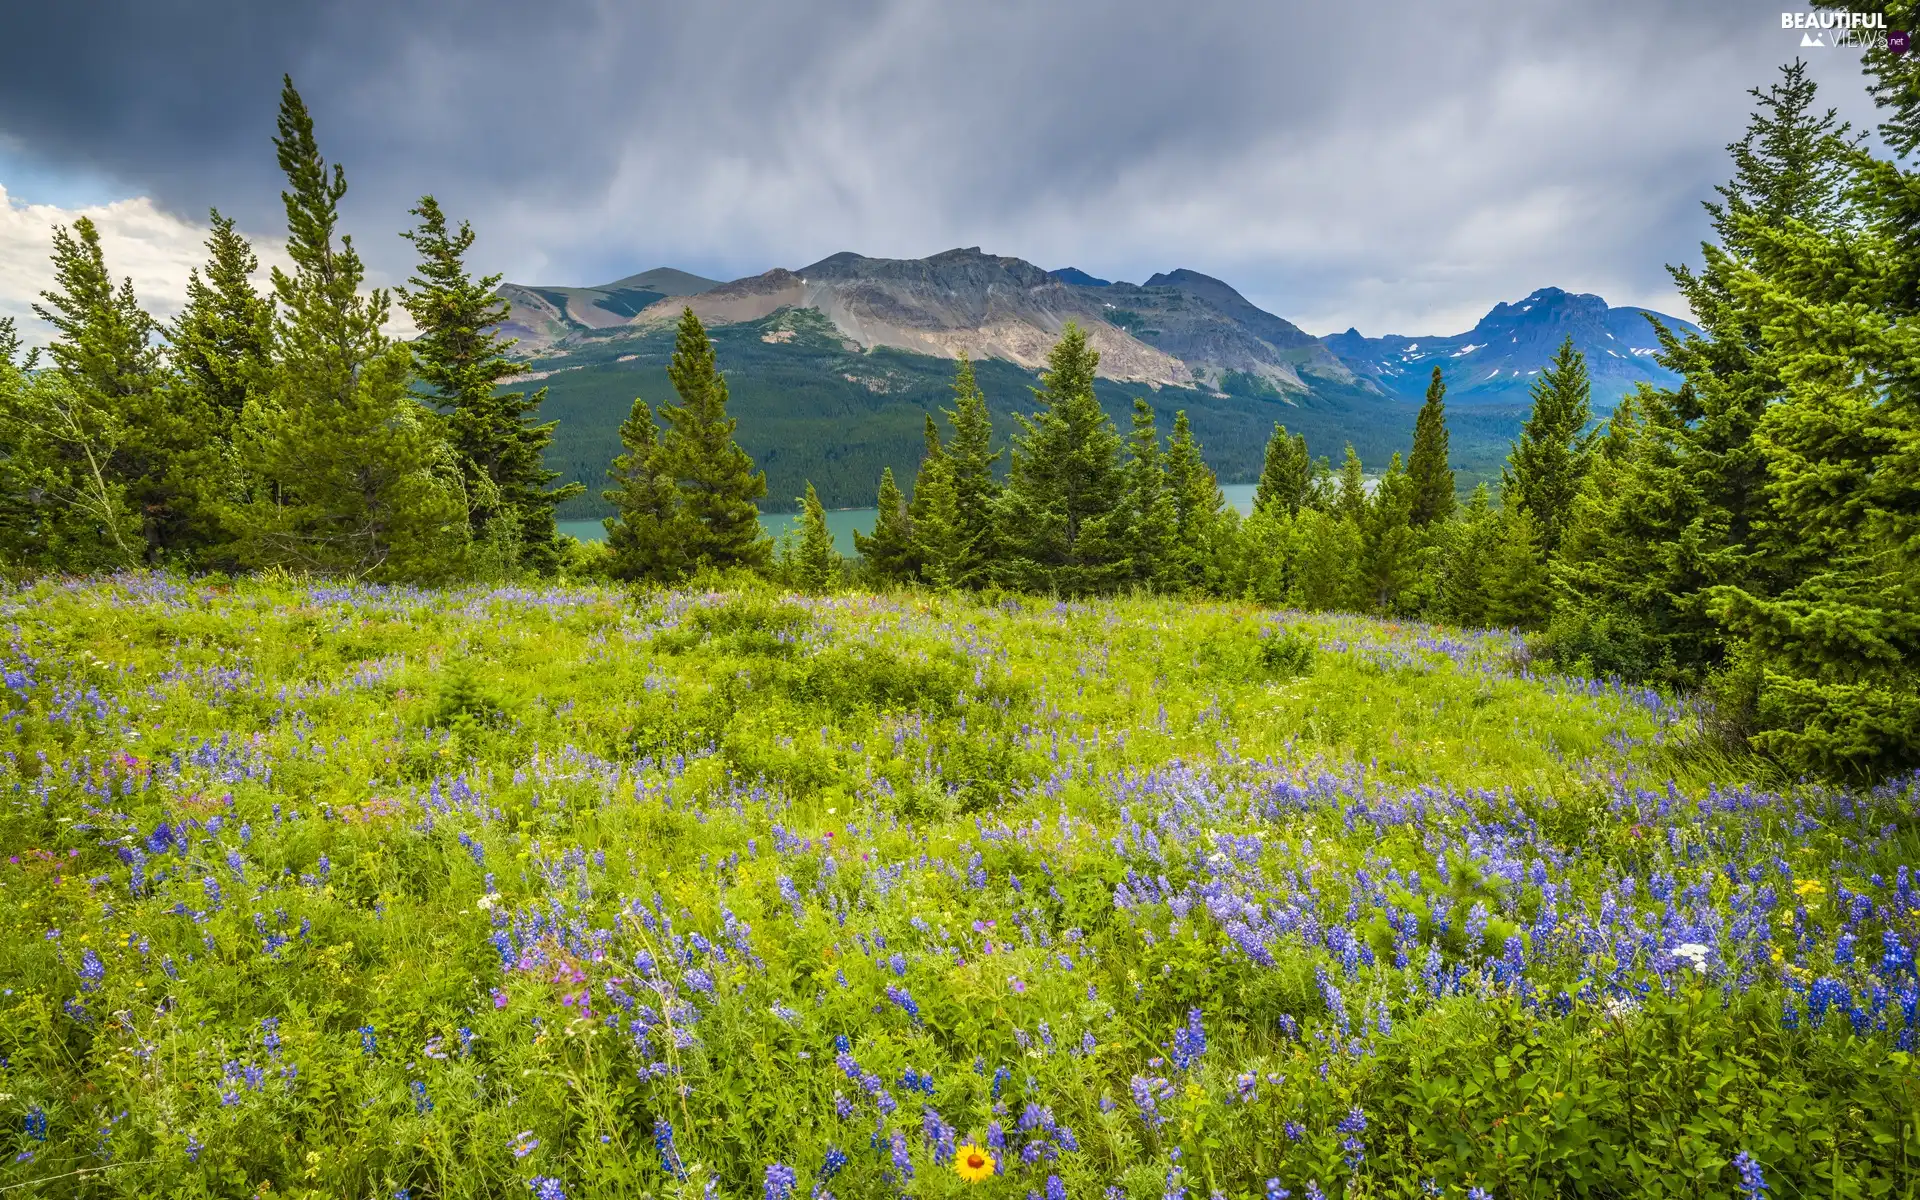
{"x":1399,"y":170}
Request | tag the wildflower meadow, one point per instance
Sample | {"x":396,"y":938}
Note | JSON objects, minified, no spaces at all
{"x":330,"y":890}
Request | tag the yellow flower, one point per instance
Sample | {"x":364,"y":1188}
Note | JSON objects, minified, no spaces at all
{"x":972,"y":1163}
{"x":1809,"y":887}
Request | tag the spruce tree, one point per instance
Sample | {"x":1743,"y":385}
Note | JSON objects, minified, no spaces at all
{"x":221,"y":343}
{"x":720,"y":524}
{"x":1691,"y":513}
{"x":1061,"y":508}
{"x":1835,"y":646}
{"x":1387,"y":546}
{"x":220,"y":348}
{"x":1197,"y":505}
{"x":1472,"y":537}
{"x":888,"y":550}
{"x":463,"y":363}
{"x":1548,"y":463}
{"x":347,"y":473}
{"x":643,"y":537}
{"x":933,"y":465}
{"x":115,"y":412}
{"x":1325,"y":561}
{"x":1286,"y":477}
{"x":939,"y":550}
{"x":816,"y":563}
{"x":60,"y":509}
{"x":976,"y":492}
{"x":1427,"y":469}
{"x":1518,"y":587}
{"x":1350,"y":496}
{"x":1152,"y":521}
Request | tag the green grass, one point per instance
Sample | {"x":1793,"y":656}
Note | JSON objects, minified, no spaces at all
{"x":573,"y":865}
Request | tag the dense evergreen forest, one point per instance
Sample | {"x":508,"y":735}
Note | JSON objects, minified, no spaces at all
{"x":1753,"y":534}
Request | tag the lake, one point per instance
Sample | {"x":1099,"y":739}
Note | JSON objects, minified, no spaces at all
{"x":842,"y":522}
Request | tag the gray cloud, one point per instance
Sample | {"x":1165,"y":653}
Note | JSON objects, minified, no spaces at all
{"x":1401,"y":169}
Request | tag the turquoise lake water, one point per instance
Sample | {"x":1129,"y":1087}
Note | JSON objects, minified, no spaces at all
{"x":843,"y":522}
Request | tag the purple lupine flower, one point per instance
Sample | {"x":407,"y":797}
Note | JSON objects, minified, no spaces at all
{"x":663,"y":1142}
{"x":1753,"y":1184}
{"x":1189,"y":1042}
{"x":1276,"y":1192}
{"x":92,"y":970}
{"x":546,"y":1187}
{"x":780,"y":1181}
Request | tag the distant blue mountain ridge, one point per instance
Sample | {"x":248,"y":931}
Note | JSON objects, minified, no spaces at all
{"x":1497,"y":361}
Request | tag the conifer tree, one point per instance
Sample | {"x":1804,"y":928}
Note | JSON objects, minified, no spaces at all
{"x":720,"y":524}
{"x":976,"y":492}
{"x":221,"y":343}
{"x":1836,"y":646}
{"x":220,"y":348}
{"x":1691,"y":513}
{"x":59,"y":508}
{"x":939,"y":550}
{"x":1387,"y":546}
{"x":1548,"y":463}
{"x":1266,"y":550}
{"x":888,"y":550}
{"x":1197,"y":505}
{"x":816,"y":563}
{"x":114,"y":412}
{"x":1152,"y":521}
{"x":1062,"y":502}
{"x":1286,"y":477}
{"x":347,"y":472}
{"x":643,"y":537}
{"x":1428,"y":470}
{"x":463,"y":362}
{"x":933,"y":467}
{"x":1469,"y":550}
{"x":1517,"y":587}
{"x":1350,"y":496}
{"x":1326,"y":561}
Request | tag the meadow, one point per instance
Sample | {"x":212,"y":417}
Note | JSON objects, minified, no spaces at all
{"x":322,"y":890}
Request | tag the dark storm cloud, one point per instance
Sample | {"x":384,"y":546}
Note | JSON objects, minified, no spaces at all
{"x":1400,"y":167}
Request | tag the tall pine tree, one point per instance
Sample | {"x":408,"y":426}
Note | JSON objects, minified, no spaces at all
{"x":643,"y":535}
{"x":889,"y":549}
{"x":718,"y":484}
{"x":1197,"y":506}
{"x":462,"y":361}
{"x":976,"y":492}
{"x":220,"y":347}
{"x":1152,"y":521}
{"x":1286,"y":476}
{"x":1836,"y":649}
{"x":348,"y":473}
{"x":1548,"y":463}
{"x":1062,"y":502}
{"x":816,"y":563}
{"x":1428,"y":471}
{"x":115,"y":413}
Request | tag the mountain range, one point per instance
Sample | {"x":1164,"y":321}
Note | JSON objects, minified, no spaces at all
{"x":831,"y":366}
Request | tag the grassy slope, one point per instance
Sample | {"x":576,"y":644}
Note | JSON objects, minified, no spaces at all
{"x":401,"y":820}
{"x":801,"y":417}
